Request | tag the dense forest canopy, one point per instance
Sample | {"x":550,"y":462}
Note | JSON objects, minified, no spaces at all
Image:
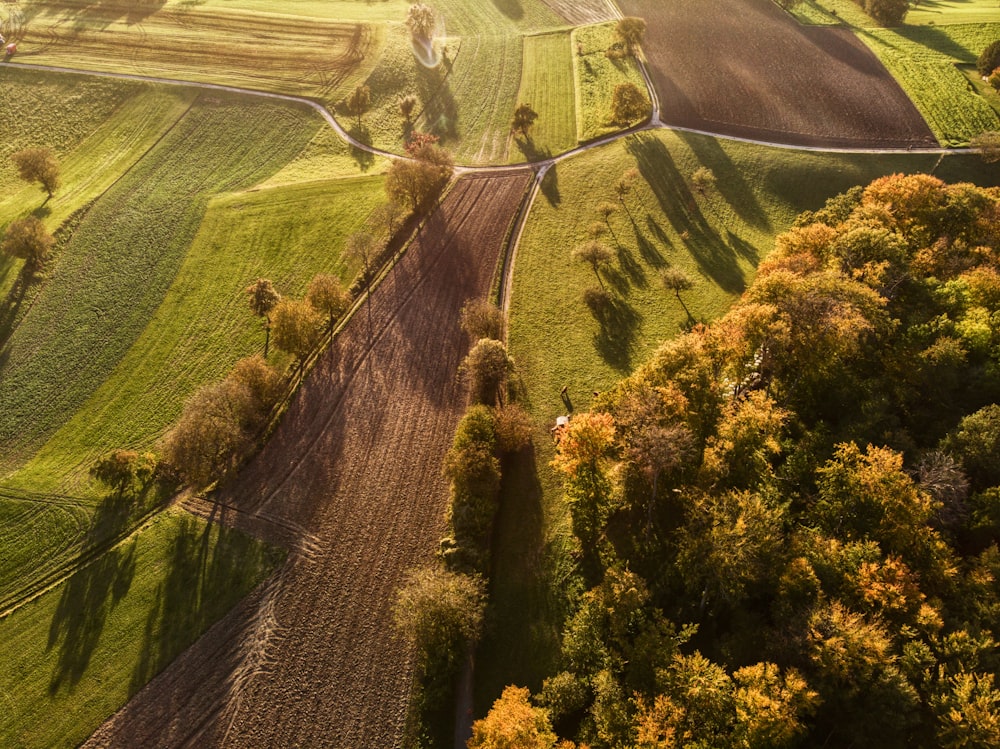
{"x":788,"y":520}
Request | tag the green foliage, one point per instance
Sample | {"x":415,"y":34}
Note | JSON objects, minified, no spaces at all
{"x":120,"y":470}
{"x":989,"y":58}
{"x":975,"y":443}
{"x":630,"y":31}
{"x":887,"y":12}
{"x":441,"y":614}
{"x":486,"y":368}
{"x":472,"y":468}
{"x":628,"y":104}
{"x":597,"y":77}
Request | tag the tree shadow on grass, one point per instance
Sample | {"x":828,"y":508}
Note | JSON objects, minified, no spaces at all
{"x":510,"y":8}
{"x":206,"y":562}
{"x":440,"y":111}
{"x":361,"y":134}
{"x":16,"y":296}
{"x":550,"y":186}
{"x":678,"y":204}
{"x":531,"y":151}
{"x":619,"y":324}
{"x":101,"y":582}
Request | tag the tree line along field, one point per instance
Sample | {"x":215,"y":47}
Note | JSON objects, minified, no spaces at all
{"x":716,"y":237}
{"x":142,"y":303}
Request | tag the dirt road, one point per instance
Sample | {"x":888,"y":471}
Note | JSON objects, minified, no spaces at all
{"x":355,"y":470}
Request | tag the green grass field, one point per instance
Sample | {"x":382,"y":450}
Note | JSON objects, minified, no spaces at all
{"x":932,"y":12}
{"x":923,"y":59}
{"x":596,"y":78}
{"x":716,"y":238}
{"x":77,"y":653}
{"x":548,"y":85}
{"x":203,"y":325}
{"x":124,"y":255}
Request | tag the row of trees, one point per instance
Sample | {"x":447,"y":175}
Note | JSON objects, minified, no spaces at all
{"x":27,"y":238}
{"x":789,"y":521}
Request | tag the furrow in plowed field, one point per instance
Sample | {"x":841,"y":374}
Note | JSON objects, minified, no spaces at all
{"x":356,"y":465}
{"x":746,"y":68}
{"x":578,"y":12}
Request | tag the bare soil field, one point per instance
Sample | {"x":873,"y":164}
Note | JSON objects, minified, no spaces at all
{"x":578,"y":12}
{"x":746,"y":68}
{"x":351,"y":482}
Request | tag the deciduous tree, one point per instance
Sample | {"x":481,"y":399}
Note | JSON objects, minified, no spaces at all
{"x":630,"y":31}
{"x":359,"y":101}
{"x":327,"y":294}
{"x":263,"y":298}
{"x":486,"y":367}
{"x":27,"y":239}
{"x":628,"y":104}
{"x":481,"y":318}
{"x":119,"y":470}
{"x":297,"y":327}
{"x":420,"y":21}
{"x":38,"y":165}
{"x":596,"y":254}
{"x":524,"y":118}
{"x":513,"y":723}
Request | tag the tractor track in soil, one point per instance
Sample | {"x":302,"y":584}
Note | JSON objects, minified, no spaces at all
{"x":351,"y":483}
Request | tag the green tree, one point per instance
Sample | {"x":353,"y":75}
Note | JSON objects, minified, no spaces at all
{"x":703,"y":180}
{"x":359,"y":101}
{"x":27,"y":239}
{"x":297,"y":328}
{"x":524,"y":118}
{"x":418,"y":181}
{"x":120,"y":470}
{"x":263,"y":299}
{"x":976,"y":444}
{"x":628,"y":104}
{"x":486,"y":368}
{"x":595,"y":254}
{"x":887,"y":12}
{"x":440,"y":613}
{"x":989,"y":58}
{"x":327,"y":294}
{"x":481,"y":318}
{"x":630,"y":31}
{"x":406,"y":106}
{"x":38,"y":165}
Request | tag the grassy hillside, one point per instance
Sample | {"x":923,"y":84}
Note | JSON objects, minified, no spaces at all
{"x":548,"y":85}
{"x":203,"y":325}
{"x":123,"y":257}
{"x":717,"y":238}
{"x":76,"y":654}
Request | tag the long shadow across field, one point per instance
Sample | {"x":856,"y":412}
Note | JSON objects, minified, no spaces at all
{"x":353,"y":477}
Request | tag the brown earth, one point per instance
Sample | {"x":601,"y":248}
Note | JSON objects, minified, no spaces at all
{"x":579,"y":12}
{"x":746,"y":68}
{"x":351,"y":481}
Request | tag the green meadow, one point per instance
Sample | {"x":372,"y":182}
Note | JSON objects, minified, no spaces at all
{"x":596,"y":78}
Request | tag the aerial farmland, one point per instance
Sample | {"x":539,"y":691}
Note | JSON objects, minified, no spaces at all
{"x":486,"y":373}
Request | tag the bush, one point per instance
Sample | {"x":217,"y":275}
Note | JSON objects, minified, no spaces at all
{"x":989,"y":58}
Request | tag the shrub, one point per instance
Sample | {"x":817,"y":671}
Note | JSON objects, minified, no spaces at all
{"x":989,"y":58}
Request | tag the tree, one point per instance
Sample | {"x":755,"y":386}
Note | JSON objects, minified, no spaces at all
{"x":596,"y":254}
{"x":630,"y":31}
{"x":388,"y":215}
{"x":628,"y":104}
{"x":297,"y":328}
{"x":260,"y":386}
{"x":976,"y":444}
{"x":606,"y":210}
{"x":119,"y":470}
{"x":513,"y":427}
{"x":481,"y":318}
{"x":440,"y":613}
{"x":987,"y":144}
{"x":263,"y":298}
{"x":624,"y":185}
{"x":362,"y":247}
{"x":513,"y":723}
{"x":989,"y":58}
{"x":27,"y":239}
{"x":359,"y":101}
{"x":420,"y":21}
{"x":887,"y":12}
{"x":327,"y":294}
{"x":207,"y":441}
{"x":703,"y":179}
{"x":486,"y":367}
{"x":676,"y":280}
{"x":406,"y":106}
{"x":417,"y":182}
{"x":524,"y":118}
{"x":38,"y":165}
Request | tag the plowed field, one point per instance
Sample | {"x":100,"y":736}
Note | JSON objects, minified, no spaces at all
{"x":745,"y":68}
{"x":579,"y":12}
{"x":351,"y":481}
